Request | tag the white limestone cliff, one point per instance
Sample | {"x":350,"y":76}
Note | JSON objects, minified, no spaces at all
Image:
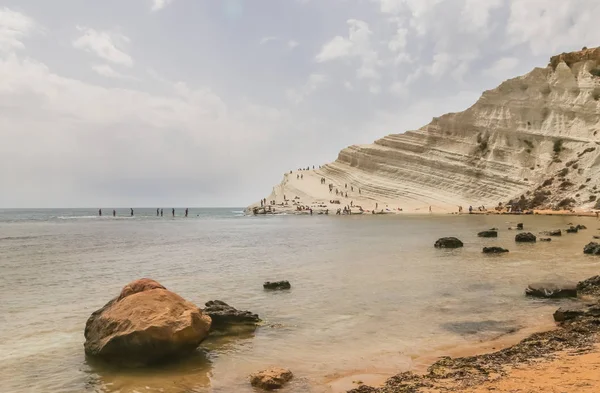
{"x":515,"y":138}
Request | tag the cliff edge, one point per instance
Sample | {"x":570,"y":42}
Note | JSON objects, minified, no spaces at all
{"x":532,"y":141}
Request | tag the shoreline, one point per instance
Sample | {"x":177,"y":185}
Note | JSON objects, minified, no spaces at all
{"x":530,"y":360}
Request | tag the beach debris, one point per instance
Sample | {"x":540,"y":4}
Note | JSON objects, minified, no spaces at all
{"x":448,"y":242}
{"x":225,"y":316}
{"x":494,"y":250}
{"x":490,"y":233}
{"x":277,"y":285}
{"x":525,"y":237}
{"x":551,"y":290}
{"x":556,"y":232}
{"x":572,"y":229}
{"x":145,"y":324}
{"x":271,"y":379}
{"x":592,"y":248}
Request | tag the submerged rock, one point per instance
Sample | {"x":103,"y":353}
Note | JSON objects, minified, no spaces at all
{"x":277,"y":285}
{"x":145,"y":324}
{"x":224,"y":316}
{"x":272,"y":378}
{"x":556,"y":232}
{"x":572,"y":230}
{"x":490,"y":233}
{"x":525,"y":237}
{"x":592,"y":248}
{"x":448,"y":242}
{"x":494,"y":250}
{"x":551,"y":290}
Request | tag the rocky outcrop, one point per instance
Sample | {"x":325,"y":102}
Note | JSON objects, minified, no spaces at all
{"x":592,"y":248}
{"x":525,"y":237}
{"x":591,"y":286}
{"x":531,"y":141}
{"x":225,"y":317}
{"x":494,"y":250}
{"x":576,"y":311}
{"x":271,"y":379}
{"x":145,"y":324}
{"x":551,"y":290}
{"x":448,"y":242}
{"x":572,"y":230}
{"x":277,"y":285}
{"x":489,"y":233}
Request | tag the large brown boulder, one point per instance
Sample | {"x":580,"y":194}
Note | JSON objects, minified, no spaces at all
{"x":145,"y":324}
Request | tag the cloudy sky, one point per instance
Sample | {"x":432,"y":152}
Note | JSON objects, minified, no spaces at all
{"x":208,"y":102}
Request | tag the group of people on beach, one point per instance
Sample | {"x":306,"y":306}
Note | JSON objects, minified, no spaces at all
{"x":159,"y":212}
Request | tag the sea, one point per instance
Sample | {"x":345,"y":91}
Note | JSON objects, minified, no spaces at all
{"x":370,"y":294}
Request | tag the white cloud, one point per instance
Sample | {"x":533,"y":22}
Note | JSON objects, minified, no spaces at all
{"x":104,"y":44}
{"x":476,"y":13}
{"x":107,"y":71}
{"x":13,"y":27}
{"x":348,"y":86}
{"x":158,"y":5}
{"x":357,"y":44}
{"x":266,"y":40}
{"x":398,"y":41}
{"x":313,"y":83}
{"x":292,"y":44}
{"x":502,"y":67}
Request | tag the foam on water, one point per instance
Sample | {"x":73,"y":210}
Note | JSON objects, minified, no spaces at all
{"x":367,"y":292}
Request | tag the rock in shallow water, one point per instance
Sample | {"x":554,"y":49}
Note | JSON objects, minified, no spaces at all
{"x":551,"y":290}
{"x":144,"y":325}
{"x":572,"y":230}
{"x":494,"y":250}
{"x":489,"y":233}
{"x":224,"y":316}
{"x":276,"y":285}
{"x":556,"y":232}
{"x":525,"y":237}
{"x":591,"y":286}
{"x":448,"y":242}
{"x":270,"y":379}
{"x":592,"y":248}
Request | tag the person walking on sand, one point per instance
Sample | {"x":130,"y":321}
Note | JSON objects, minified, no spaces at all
{"x":157,"y":212}
{"x":302,"y":176}
{"x":597,"y":215}
{"x":161,"y":212}
{"x":173,"y":211}
{"x":186,"y":211}
{"x":376,"y":205}
{"x":297,"y":176}
{"x":114,"y":213}
{"x":429,"y":209}
{"x":100,"y":212}
{"x":470,"y":209}
{"x":131,"y":211}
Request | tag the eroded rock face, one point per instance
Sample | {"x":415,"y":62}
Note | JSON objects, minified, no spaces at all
{"x":489,"y":233}
{"x":525,"y":237}
{"x":448,"y":242}
{"x":494,"y":250}
{"x":551,"y":290}
{"x":224,"y":316}
{"x":145,"y":324}
{"x":277,"y":285}
{"x":576,"y":311}
{"x":592,"y":248}
{"x":272,"y":378}
{"x":509,"y":142}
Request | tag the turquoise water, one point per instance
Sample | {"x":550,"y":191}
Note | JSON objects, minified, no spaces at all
{"x":368,"y":293}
